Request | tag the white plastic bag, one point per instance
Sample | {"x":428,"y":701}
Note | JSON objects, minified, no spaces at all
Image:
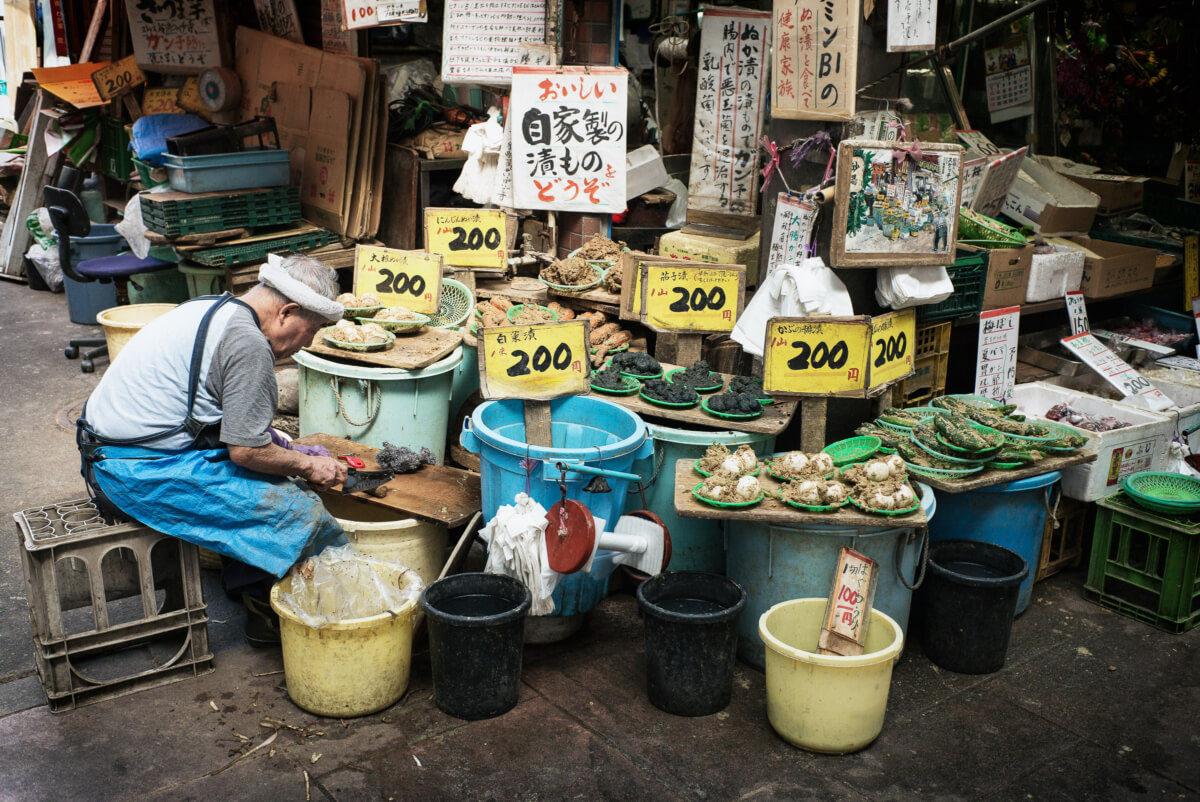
{"x":131,"y":226}
{"x":902,"y":287}
{"x":45,"y":261}
{"x":1175,"y":459}
{"x":677,"y":214}
{"x":482,"y":143}
{"x":342,"y":583}
{"x":809,"y":288}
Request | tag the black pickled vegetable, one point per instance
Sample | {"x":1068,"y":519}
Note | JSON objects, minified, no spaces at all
{"x":637,"y":363}
{"x":735,"y":403}
{"x":747,"y":384}
{"x":698,"y":375}
{"x":402,"y":459}
{"x":660,"y":390}
{"x":610,"y":379}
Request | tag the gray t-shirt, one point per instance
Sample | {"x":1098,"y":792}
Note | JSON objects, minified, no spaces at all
{"x":242,"y":380}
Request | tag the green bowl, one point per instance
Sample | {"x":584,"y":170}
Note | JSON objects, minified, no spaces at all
{"x":361,"y":347}
{"x":816,"y":507}
{"x":632,"y":385}
{"x":730,"y":505}
{"x":696,"y":467}
{"x":1060,"y":427}
{"x":730,"y":415}
{"x":638,"y":376}
{"x":667,"y":404}
{"x":1170,"y":493}
{"x":886,"y":451}
{"x":512,"y":313}
{"x":916,"y":506}
{"x":960,"y":450}
{"x":853,"y":449}
{"x":405,"y":326}
{"x":943,"y":473}
{"x":595,"y":264}
{"x":355,"y":312}
{"x":1004,"y":466}
{"x":948,"y":457}
{"x":708,"y":388}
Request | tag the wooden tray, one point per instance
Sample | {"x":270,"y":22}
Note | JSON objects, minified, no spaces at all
{"x":989,"y":477}
{"x":773,"y":511}
{"x":597,"y":300}
{"x":436,"y":493}
{"x":409,"y":352}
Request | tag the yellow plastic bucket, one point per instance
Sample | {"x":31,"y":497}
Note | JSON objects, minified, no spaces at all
{"x":348,"y":668}
{"x":372,"y":530}
{"x":122,"y":322}
{"x":820,"y":702}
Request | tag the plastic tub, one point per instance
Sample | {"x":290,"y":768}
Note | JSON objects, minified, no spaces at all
{"x":420,"y":545}
{"x":406,"y":407}
{"x":696,"y":545}
{"x":349,"y":668}
{"x":476,"y":634}
{"x":466,"y":377}
{"x":691,"y":636}
{"x":166,"y":286}
{"x":225,"y":171}
{"x":777,"y":563}
{"x":1012,"y":515}
{"x":826,"y":702}
{"x":203,"y":280}
{"x":85,"y":299}
{"x":968,"y":603}
{"x":122,"y":322}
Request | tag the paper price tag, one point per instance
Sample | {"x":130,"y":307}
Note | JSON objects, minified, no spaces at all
{"x":118,"y":78}
{"x":686,"y":298}
{"x":816,"y":356}
{"x":1097,"y":356}
{"x":1077,"y":312}
{"x":412,"y":279}
{"x":534,"y":363}
{"x":847,"y":612}
{"x":893,"y":340}
{"x":468,"y":237}
{"x":996,"y":362}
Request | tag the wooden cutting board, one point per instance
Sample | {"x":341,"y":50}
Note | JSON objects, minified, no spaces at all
{"x":408,"y":351}
{"x":436,"y":493}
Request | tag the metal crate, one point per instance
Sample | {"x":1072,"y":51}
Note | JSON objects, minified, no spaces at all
{"x":114,"y":607}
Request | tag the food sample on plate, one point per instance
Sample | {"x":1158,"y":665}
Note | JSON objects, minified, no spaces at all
{"x":532,"y":313}
{"x":493,"y":311}
{"x":1063,"y":413}
{"x":636,"y":363}
{"x":609,"y":378}
{"x":352,"y":301}
{"x":729,"y":488}
{"x":815,"y":492}
{"x":572,"y":272}
{"x":346,"y":331}
{"x":796,"y":465}
{"x":668,"y":393}
{"x":395,"y":313}
{"x":719,"y":458}
{"x":888,"y":438}
{"x":880,"y":484}
{"x":698,"y":375}
{"x":747,"y":384}
{"x":735,"y":403}
{"x":600,"y":247}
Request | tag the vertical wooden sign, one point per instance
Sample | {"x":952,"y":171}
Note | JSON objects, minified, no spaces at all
{"x":815,"y":74}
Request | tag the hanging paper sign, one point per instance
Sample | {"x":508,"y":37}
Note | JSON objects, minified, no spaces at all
{"x":468,"y":237}
{"x":792,"y":233}
{"x":411,"y":279}
{"x":911,"y":25}
{"x":816,"y":356}
{"x":118,"y":78}
{"x":358,"y":14}
{"x":1114,"y":370}
{"x":481,"y":38}
{"x":279,"y":18}
{"x":893,"y":339}
{"x":697,"y":300}
{"x":535,"y":363}
{"x":568,"y":149}
{"x":996,"y":364}
{"x":1077,"y":312}
{"x":1009,"y":78}
{"x":334,"y":37}
{"x":997,"y":180}
{"x":848,"y":611}
{"x":730,"y":89}
{"x":174,"y":36}
{"x":816,"y":59}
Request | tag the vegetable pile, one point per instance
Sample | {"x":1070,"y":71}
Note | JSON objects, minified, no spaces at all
{"x":815,"y":493}
{"x":636,"y":363}
{"x":747,"y":384}
{"x":352,"y":301}
{"x":735,"y":403}
{"x":729,"y":488}
{"x":659,"y":390}
{"x":797,"y":465}
{"x":880,"y":484}
{"x":347,"y":331}
{"x":609,"y":378}
{"x":699,"y":375}
{"x":719,"y":458}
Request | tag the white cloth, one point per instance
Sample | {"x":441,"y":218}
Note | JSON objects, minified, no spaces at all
{"x":902,"y":287}
{"x":517,"y":548}
{"x":482,"y":144}
{"x":809,"y":288}
{"x":276,"y":277}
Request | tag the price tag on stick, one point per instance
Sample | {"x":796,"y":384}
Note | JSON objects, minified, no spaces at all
{"x":536,"y":362}
{"x":893,"y":340}
{"x":996,"y":364}
{"x":412,"y":279}
{"x":1097,"y":356}
{"x":1077,"y":312}
{"x":468,"y":237}
{"x":817,"y":356}
{"x":118,"y":78}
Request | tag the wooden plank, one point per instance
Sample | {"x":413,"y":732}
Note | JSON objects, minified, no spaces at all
{"x":591,"y":301}
{"x":537,"y":423}
{"x":772,"y":511}
{"x":990,"y":478}
{"x":688,"y":348}
{"x":435,"y":493}
{"x":14,"y":240}
{"x":93,"y":32}
{"x":409,"y":352}
{"x":813,"y":413}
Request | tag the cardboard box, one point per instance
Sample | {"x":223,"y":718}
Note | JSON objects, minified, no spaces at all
{"x":1007,"y":275}
{"x":1118,"y":193}
{"x":436,"y":143}
{"x":1051,"y":203}
{"x":714,"y":250}
{"x":1113,"y":268}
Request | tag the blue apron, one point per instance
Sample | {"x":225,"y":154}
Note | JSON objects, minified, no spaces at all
{"x":200,"y":495}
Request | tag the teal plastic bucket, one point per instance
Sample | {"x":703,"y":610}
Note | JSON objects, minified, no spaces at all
{"x":696,"y":544}
{"x":202,"y":280}
{"x":371,"y":405}
{"x":1012,"y":515}
{"x":466,"y":378}
{"x":159,"y":287}
{"x":779,"y":563}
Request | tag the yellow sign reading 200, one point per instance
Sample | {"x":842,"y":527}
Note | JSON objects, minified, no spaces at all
{"x":807,"y":357}
{"x":535,"y":363}
{"x":687,"y":298}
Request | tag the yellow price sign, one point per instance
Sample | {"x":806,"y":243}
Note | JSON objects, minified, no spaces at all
{"x":893,"y":340}
{"x":468,"y":237}
{"x":536,"y":362}
{"x":692,"y":298}
{"x":118,"y":78}
{"x":159,"y":101}
{"x":816,"y":356}
{"x":412,"y":279}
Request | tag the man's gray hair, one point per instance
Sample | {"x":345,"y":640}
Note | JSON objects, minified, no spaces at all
{"x":312,"y":274}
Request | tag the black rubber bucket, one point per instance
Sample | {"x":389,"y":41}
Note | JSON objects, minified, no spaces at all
{"x":691,"y":634}
{"x":476,"y":636}
{"x":968,"y":603}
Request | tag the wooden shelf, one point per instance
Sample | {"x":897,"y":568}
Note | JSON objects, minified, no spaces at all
{"x":990,"y":478}
{"x":1059,"y":303}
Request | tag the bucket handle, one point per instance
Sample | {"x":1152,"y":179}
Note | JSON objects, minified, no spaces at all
{"x":366,"y":385}
{"x":553,"y":469}
{"x":658,"y":463}
{"x":923,"y":560}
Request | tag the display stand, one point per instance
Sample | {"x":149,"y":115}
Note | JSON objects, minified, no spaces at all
{"x":990,"y":478}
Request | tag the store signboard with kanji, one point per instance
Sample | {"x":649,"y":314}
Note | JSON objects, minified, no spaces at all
{"x":174,"y":35}
{"x":816,"y":59}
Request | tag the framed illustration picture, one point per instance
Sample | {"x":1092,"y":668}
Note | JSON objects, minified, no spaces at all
{"x":896,"y":206}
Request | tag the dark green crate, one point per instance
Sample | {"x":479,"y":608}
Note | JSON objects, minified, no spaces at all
{"x":229,"y":255}
{"x":1145,"y":565}
{"x":116,"y":160}
{"x":174,"y":218}
{"x":969,"y":272}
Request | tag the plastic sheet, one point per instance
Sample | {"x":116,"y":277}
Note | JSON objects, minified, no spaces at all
{"x":342,"y":584}
{"x":809,"y":288}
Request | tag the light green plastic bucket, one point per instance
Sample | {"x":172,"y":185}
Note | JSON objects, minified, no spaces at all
{"x":369,"y":405}
{"x":466,"y":378}
{"x":160,"y":287}
{"x":696,"y":544}
{"x":203,"y":280}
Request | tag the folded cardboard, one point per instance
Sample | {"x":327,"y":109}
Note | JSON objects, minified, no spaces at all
{"x":1051,"y":203}
{"x":1118,"y":193}
{"x":1007,"y":275}
{"x":1114,"y":268}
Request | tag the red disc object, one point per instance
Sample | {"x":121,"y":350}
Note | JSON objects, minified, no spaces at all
{"x":570,"y":536}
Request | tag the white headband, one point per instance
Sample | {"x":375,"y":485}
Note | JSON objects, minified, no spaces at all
{"x":276,"y":277}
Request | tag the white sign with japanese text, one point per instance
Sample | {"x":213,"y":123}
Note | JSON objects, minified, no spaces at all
{"x":816,"y":59}
{"x":790,"y":238}
{"x":1116,"y":371}
{"x":911,"y":25}
{"x":481,"y":38}
{"x":174,"y":35}
{"x":996,"y":364}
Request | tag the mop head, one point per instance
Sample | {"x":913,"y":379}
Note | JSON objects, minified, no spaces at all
{"x":517,"y":548}
{"x":650,"y":560}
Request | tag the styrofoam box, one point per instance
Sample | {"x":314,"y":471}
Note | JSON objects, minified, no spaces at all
{"x":1119,"y":453}
{"x":1187,"y":402}
{"x":1052,"y":275}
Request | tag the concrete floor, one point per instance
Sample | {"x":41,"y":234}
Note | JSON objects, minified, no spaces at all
{"x":1090,"y":705}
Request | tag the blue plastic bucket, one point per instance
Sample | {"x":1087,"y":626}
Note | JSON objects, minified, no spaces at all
{"x":696,"y":544}
{"x":1012,"y":515}
{"x":86,"y":298}
{"x":779,"y":563}
{"x":371,"y":405}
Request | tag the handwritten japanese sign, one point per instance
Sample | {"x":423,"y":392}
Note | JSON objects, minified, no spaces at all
{"x":692,"y":299}
{"x":730,"y":89}
{"x":535,"y":363}
{"x":160,"y":101}
{"x":279,"y":18}
{"x":370,"y":13}
{"x":997,"y":180}
{"x":479,"y":45}
{"x":848,"y":611}
{"x":468,"y":237}
{"x":118,"y":78}
{"x":911,"y":25}
{"x":790,"y":238}
{"x":893,"y":339}
{"x":568,"y":150}
{"x":174,"y":35}
{"x":411,"y":279}
{"x":334,"y":38}
{"x":1077,"y":312}
{"x":996,"y":365}
{"x":816,"y":59}
{"x":816,"y":356}
{"x":1116,"y":371}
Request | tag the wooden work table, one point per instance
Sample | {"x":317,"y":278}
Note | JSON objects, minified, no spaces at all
{"x":989,"y":477}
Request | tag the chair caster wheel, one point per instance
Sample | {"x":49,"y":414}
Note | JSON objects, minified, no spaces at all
{"x":71,"y":352}
{"x":87,"y":366}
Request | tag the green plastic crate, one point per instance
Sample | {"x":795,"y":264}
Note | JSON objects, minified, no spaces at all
{"x":116,"y":160}
{"x":1145,"y":565}
{"x":230,"y":255}
{"x":174,"y":218}
{"x":968,"y":273}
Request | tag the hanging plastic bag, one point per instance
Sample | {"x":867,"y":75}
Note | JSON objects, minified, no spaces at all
{"x":809,"y":288}
{"x":677,"y":214}
{"x":1177,"y":453}
{"x":902,"y":287}
{"x":482,"y":143}
{"x":131,"y":226}
{"x":517,"y":548}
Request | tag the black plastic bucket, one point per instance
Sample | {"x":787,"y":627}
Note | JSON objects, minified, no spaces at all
{"x":691,"y":634}
{"x":968,"y":603}
{"x":476,"y":635}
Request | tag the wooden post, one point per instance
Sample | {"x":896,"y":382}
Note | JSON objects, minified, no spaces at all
{"x":93,"y":33}
{"x":881,"y":402}
{"x":812,"y":424}
{"x":688,"y":348}
{"x":39,"y":168}
{"x":537,"y":424}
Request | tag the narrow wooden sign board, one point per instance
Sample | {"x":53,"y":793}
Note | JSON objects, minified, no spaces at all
{"x":118,"y":78}
{"x":848,"y":611}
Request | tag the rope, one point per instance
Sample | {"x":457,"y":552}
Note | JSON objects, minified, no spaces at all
{"x":333,"y":382}
{"x":924,"y":558}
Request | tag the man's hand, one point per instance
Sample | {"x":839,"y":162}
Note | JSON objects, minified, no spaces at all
{"x":320,"y":472}
{"x":324,"y":472}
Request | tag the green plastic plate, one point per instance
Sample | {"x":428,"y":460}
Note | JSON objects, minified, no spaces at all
{"x":816,"y":507}
{"x":730,"y":415}
{"x":667,"y":404}
{"x":363,"y":347}
{"x":404,"y":326}
{"x":355,"y":312}
{"x":632,"y":385}
{"x":731,"y":505}
{"x":708,"y":388}
{"x":696,"y":467}
{"x":916,"y":506}
{"x":852,"y":449}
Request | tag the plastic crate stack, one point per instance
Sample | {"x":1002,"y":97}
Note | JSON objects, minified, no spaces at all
{"x":931,"y":361}
{"x":968,"y":274}
{"x":93,"y":587}
{"x":174,"y":214}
